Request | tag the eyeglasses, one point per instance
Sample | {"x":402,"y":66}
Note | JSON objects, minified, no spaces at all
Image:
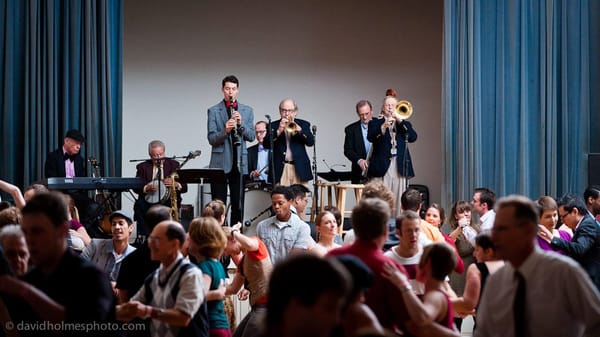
{"x":562,"y":216}
{"x":287,"y":110}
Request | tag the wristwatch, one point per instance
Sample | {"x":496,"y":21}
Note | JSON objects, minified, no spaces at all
{"x":157,"y":313}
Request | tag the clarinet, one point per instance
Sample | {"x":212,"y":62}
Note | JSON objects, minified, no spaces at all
{"x":236,"y":137}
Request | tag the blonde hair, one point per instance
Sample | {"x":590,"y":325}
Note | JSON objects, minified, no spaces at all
{"x":208,"y":236}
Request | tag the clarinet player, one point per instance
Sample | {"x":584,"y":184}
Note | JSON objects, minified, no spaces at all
{"x":230,"y":126}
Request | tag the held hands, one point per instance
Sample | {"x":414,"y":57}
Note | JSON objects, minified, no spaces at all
{"x":237,"y":227}
{"x":220,"y":291}
{"x":244,"y":294}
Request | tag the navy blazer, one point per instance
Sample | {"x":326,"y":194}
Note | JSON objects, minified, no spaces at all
{"x":354,"y":148}
{"x":253,"y":161}
{"x":382,"y":145}
{"x":298,"y":143}
{"x":55,"y":165}
{"x":221,"y":155}
{"x":584,"y":247}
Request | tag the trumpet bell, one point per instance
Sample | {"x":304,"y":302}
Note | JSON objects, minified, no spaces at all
{"x":403,"y":110}
{"x":291,"y":127}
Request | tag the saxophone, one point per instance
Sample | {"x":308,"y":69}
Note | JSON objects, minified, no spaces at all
{"x":173,"y":192}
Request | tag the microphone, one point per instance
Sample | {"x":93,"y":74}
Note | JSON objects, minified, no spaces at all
{"x":268,"y":117}
{"x":314,"y":130}
{"x":194,"y":154}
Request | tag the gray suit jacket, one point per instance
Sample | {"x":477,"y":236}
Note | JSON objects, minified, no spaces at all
{"x":221,"y":153}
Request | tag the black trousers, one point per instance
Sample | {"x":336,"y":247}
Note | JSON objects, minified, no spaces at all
{"x":236,"y":194}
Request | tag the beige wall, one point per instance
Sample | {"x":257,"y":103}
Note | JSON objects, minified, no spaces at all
{"x":325,"y":54}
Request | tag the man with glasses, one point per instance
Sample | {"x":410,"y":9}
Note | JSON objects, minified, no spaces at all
{"x":290,"y":138}
{"x":173,"y":296}
{"x":258,"y":155}
{"x":356,"y":145}
{"x":584,"y":247}
{"x":156,"y":175}
{"x":536,"y":293}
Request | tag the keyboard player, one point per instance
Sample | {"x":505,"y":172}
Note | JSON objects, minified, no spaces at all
{"x":156,"y":175}
{"x":67,"y":162}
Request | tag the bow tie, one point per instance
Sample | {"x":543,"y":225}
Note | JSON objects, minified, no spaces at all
{"x":70,"y":157}
{"x":229,"y":104}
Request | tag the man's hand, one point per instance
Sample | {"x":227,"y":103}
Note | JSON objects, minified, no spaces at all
{"x":230,"y":125}
{"x":238,"y":117}
{"x":255,"y":174}
{"x":363,"y":164}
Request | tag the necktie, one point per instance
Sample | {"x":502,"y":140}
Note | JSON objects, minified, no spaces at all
{"x":519,"y":306}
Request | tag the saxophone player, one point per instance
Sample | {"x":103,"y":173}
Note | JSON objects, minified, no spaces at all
{"x":156,"y":173}
{"x":390,"y":159}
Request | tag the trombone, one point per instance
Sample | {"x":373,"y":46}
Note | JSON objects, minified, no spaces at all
{"x":403,"y":110}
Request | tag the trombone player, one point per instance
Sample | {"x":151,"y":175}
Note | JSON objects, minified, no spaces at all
{"x":390,"y":159}
{"x":290,"y":138}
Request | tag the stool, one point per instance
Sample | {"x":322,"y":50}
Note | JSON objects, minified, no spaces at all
{"x":322,"y":187}
{"x":340,"y":195}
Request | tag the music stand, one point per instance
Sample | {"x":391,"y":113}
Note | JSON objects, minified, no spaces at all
{"x":335,"y":176}
{"x":202,"y":176}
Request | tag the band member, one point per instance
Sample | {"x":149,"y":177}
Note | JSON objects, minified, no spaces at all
{"x":390,"y":159}
{"x":356,"y":145}
{"x":156,"y":175}
{"x":230,"y":126}
{"x":290,"y":138}
{"x":67,"y":162}
{"x":258,"y":155}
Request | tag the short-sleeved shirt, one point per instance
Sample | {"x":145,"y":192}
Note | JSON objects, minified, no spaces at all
{"x":216,"y":309}
{"x":189,"y":298}
{"x":102,"y":253}
{"x":281,"y":237}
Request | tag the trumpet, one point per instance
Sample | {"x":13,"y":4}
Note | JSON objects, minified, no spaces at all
{"x":291,"y":127}
{"x":403,"y":110}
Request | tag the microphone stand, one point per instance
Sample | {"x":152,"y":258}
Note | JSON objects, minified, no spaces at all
{"x":271,"y":161}
{"x":314,"y":168}
{"x":405,"y":157}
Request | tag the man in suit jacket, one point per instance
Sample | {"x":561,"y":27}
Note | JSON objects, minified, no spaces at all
{"x":291,"y":162}
{"x":584,"y":247}
{"x":356,"y":145}
{"x":151,"y":171}
{"x":390,"y":159}
{"x":67,"y":162}
{"x":230,"y":123}
{"x":259,"y":165}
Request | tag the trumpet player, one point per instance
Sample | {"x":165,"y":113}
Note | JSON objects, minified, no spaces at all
{"x":390,"y":159}
{"x":230,"y":125}
{"x":290,"y":138}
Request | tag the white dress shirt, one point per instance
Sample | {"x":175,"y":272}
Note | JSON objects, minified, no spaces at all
{"x":560,"y":299}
